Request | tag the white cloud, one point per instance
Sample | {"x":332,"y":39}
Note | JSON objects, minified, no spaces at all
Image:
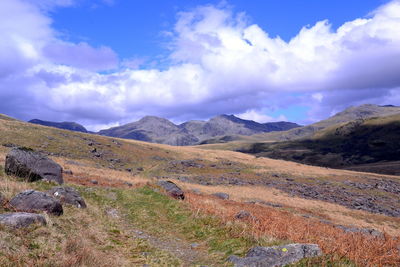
{"x":219,"y":64}
{"x":260,"y":117}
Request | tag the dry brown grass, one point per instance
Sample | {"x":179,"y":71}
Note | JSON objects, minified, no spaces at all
{"x":335,"y":213}
{"x":362,"y":249}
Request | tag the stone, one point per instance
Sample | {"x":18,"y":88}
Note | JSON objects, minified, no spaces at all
{"x":128,"y":184}
{"x":244,"y":215}
{"x":172,"y":189}
{"x":221,"y":195}
{"x":276,"y":256}
{"x":32,"y":166}
{"x":21,"y":219}
{"x":69,"y":172}
{"x":31,"y":200}
{"x":67,"y":195}
{"x":94,"y":182}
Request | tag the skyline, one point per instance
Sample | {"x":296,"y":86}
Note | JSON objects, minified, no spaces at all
{"x":196,"y":61}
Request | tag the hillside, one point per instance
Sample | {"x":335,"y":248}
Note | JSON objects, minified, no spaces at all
{"x":72,"y":126}
{"x":363,"y":144}
{"x":160,"y":130}
{"x":130,"y":222}
{"x":349,"y":114}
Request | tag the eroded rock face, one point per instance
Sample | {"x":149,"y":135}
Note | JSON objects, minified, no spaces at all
{"x":67,"y":195}
{"x":276,"y":256}
{"x":32,"y":166}
{"x":172,"y":189}
{"x":21,"y":219}
{"x":31,"y":200}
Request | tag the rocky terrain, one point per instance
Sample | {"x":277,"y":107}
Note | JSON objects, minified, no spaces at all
{"x":90,"y":200}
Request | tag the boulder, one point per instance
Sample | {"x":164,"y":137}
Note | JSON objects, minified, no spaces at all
{"x":21,"y":219}
{"x":32,"y":166}
{"x":172,"y":189}
{"x":31,"y":200}
{"x":67,"y":195}
{"x":221,"y":195}
{"x":276,"y":256}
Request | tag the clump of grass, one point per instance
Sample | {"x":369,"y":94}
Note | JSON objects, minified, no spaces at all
{"x":363,"y":249}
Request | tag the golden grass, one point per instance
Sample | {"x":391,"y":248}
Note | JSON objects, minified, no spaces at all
{"x":363,"y":249}
{"x":335,"y":213}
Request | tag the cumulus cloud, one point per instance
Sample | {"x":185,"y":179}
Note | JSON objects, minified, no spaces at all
{"x":219,"y":63}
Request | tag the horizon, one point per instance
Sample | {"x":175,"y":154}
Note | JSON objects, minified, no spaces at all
{"x":105,"y":63}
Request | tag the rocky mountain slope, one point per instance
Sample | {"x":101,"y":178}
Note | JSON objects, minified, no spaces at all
{"x":159,"y":130}
{"x":72,"y":126}
{"x":349,"y":114}
{"x":365,"y":144}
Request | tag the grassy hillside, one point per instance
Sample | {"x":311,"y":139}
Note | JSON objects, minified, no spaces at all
{"x":130,"y":222}
{"x":360,"y":142}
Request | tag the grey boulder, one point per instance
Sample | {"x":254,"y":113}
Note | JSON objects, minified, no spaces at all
{"x":276,"y":256}
{"x":21,"y":219}
{"x":221,"y":195}
{"x":31,"y":201}
{"x":32,"y":166}
{"x":67,"y":195}
{"x":172,"y":189}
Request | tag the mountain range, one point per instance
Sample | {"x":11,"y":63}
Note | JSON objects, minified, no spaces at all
{"x":72,"y":126}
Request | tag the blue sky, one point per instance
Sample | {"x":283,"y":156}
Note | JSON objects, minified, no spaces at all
{"x":108,"y":62}
{"x":135,"y":28}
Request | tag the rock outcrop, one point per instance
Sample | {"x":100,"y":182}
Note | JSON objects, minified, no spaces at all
{"x":32,"y":166}
{"x":221,"y":195}
{"x":31,"y":201}
{"x":21,"y":219}
{"x":67,"y":195}
{"x":276,"y":256}
{"x":172,"y":189}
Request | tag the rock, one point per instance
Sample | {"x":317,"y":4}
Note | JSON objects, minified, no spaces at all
{"x":221,"y":195}
{"x":67,"y":195}
{"x":21,"y":219}
{"x":276,"y":256}
{"x":113,"y":213}
{"x":194,"y":245}
{"x":32,"y":166}
{"x":94,"y":182}
{"x":2,"y":199}
{"x":140,"y":169}
{"x":128,"y":184}
{"x":69,"y":172}
{"x":172,"y":189}
{"x":366,"y":231}
{"x":31,"y":200}
{"x":244,"y":215}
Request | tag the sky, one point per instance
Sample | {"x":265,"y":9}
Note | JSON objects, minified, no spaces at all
{"x":104,"y":63}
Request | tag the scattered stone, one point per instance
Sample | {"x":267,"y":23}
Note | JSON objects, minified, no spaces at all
{"x":113,"y":213}
{"x":172,"y":189}
{"x":128,"y":169}
{"x":21,"y":219}
{"x":69,"y":172}
{"x":31,"y":200}
{"x":128,"y":184}
{"x":221,"y":195}
{"x":243,"y":215}
{"x":140,"y":169}
{"x":2,"y":199}
{"x":196,"y":191}
{"x":32,"y":166}
{"x":94,"y":150}
{"x":94,"y":182}
{"x":194,"y":246}
{"x":68,"y":195}
{"x":366,"y":231}
{"x":276,"y":256}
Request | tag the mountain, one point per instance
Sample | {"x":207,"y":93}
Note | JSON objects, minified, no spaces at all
{"x":72,"y":126}
{"x":160,"y":130}
{"x":370,"y":144}
{"x":152,"y":129}
{"x":349,"y":114}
